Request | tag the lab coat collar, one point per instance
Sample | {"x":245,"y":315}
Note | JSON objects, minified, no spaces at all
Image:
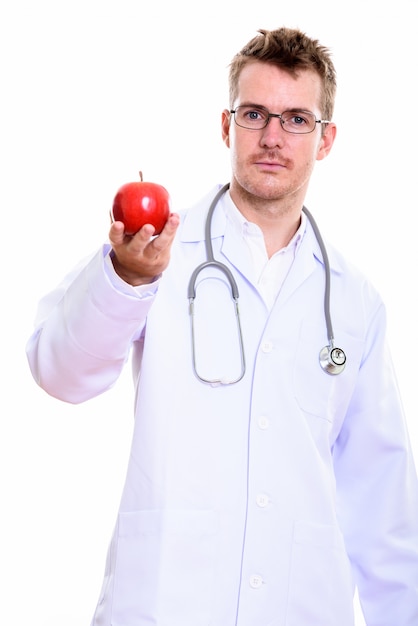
{"x":194,"y":220}
{"x":193,"y":230}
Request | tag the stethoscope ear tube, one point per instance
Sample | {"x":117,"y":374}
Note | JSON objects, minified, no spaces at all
{"x":191,"y":294}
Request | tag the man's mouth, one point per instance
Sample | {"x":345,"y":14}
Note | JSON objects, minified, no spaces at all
{"x":270,"y":165}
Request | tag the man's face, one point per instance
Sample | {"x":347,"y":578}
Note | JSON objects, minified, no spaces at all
{"x":270,"y":163}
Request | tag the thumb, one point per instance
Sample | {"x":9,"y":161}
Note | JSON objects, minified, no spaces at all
{"x":116,"y":233}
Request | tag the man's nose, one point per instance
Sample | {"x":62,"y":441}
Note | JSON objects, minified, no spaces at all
{"x":273,"y":133}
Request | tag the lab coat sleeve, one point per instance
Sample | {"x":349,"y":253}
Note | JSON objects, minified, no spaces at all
{"x":377,"y":490}
{"x":84,"y":332}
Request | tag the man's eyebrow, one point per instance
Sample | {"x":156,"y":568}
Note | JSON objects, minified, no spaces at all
{"x":252,"y":104}
{"x":262,"y":106}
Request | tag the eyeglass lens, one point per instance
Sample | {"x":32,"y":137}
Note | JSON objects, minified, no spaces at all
{"x":256,"y":118}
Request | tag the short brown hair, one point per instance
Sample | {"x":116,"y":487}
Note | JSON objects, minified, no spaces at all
{"x":291,"y":50}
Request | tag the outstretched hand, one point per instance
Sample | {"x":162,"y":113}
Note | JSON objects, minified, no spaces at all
{"x":139,"y":258}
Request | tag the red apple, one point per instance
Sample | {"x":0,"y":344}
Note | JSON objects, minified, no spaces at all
{"x":139,"y":203}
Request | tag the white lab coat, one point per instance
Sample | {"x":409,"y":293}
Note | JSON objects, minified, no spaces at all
{"x":256,"y":504}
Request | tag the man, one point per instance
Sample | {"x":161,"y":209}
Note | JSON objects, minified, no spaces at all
{"x":264,"y":481}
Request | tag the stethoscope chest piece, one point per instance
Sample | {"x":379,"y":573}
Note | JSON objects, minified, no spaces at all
{"x":332,"y":360}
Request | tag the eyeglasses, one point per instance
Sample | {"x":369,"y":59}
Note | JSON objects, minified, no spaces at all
{"x":295,"y":121}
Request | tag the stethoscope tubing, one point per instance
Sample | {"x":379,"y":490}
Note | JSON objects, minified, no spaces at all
{"x":332,"y":359}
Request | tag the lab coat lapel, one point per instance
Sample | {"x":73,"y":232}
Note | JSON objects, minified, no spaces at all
{"x":234,"y":249}
{"x":227,"y":242}
{"x":237,"y":253}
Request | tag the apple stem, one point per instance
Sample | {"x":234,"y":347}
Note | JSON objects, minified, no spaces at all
{"x":140,"y":176}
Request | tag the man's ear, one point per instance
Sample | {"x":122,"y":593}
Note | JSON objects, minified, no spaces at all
{"x":327,"y":141}
{"x":226,"y":122}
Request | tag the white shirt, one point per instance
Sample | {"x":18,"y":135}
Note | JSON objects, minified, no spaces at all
{"x":270,"y":273}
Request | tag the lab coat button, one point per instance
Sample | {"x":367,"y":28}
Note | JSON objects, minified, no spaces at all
{"x":256,"y":581}
{"x":267,"y":346}
{"x":262,"y":500}
{"x":263,"y":422}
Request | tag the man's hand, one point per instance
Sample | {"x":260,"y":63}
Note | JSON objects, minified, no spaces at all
{"x":139,"y":258}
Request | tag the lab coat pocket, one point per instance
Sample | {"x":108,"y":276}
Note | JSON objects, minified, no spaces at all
{"x":164,"y":568}
{"x":320,"y":585}
{"x":317,"y":392}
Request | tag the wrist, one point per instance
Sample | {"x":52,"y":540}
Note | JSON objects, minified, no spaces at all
{"x":131,"y":277}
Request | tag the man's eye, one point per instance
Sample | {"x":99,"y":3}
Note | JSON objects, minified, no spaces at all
{"x":254,"y":115}
{"x":298,"y":120}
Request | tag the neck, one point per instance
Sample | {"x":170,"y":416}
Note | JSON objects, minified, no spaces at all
{"x":277,"y":220}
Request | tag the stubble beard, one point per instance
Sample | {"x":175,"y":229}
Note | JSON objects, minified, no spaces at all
{"x":269,"y":192}
{"x":267,"y":196}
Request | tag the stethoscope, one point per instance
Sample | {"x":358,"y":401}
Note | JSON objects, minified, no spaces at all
{"x":331,"y":359}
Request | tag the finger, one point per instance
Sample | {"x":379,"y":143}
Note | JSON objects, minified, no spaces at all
{"x":145,"y":233}
{"x":116,"y":233}
{"x":170,"y":228}
{"x":165,"y":239}
{"x":172,"y":223}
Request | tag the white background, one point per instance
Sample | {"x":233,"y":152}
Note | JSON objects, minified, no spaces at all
{"x":93,"y":91}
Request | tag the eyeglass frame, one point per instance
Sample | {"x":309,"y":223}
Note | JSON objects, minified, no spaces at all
{"x":279,"y":116}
